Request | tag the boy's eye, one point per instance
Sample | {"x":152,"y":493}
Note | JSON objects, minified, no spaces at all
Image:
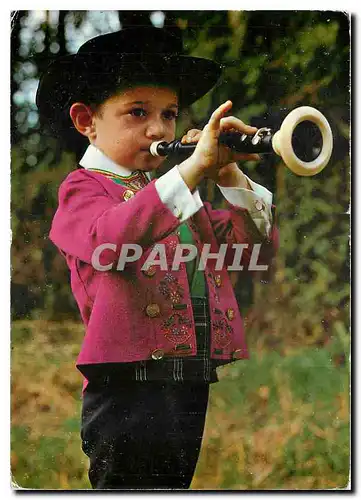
{"x":170,"y":114}
{"x":138,"y":112}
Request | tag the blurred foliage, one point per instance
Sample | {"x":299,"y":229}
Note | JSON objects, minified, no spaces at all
{"x":273,"y":62}
{"x":278,"y":421}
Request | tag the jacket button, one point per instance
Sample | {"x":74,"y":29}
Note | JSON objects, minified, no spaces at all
{"x":237,"y":354}
{"x":230,"y":314}
{"x":218,"y":280}
{"x":128,"y":194}
{"x":150,"y":271}
{"x":152,"y":310}
{"x":258,"y":205}
{"x":157,"y":354}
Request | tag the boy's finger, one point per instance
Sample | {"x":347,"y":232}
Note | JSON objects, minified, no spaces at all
{"x":215,"y":119}
{"x":192,"y":132}
{"x":193,"y":135}
{"x":231,"y":122}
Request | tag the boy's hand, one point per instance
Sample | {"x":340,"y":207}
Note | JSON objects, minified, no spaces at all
{"x":217,"y":160}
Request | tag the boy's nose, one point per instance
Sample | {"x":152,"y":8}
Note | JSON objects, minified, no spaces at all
{"x":155,"y":130}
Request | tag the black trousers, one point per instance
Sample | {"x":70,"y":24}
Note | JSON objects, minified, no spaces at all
{"x":143,"y":435}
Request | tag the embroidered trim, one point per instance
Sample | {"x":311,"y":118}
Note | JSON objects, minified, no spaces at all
{"x":171,"y":289}
{"x":171,"y":247}
{"x":177,"y":328}
{"x":136,"y":180}
{"x":223,"y":333}
{"x":214,"y":288}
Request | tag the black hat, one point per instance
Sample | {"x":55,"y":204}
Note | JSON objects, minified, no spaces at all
{"x":131,"y":55}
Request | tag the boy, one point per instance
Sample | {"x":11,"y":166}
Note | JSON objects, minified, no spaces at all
{"x":154,"y":336}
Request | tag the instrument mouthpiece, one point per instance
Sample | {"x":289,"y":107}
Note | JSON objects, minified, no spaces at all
{"x":153,"y":148}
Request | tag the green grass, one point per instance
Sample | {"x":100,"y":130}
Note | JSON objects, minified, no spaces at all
{"x":274,"y":422}
{"x":278,"y":423}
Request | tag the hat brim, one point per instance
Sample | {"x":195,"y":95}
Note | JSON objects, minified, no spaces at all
{"x":76,"y":76}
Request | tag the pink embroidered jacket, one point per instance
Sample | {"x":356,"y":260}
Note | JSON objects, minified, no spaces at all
{"x":134,"y":315}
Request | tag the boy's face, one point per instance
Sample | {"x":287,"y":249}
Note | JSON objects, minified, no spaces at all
{"x":127,"y":124}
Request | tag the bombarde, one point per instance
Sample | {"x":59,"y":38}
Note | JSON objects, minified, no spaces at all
{"x":305,"y":154}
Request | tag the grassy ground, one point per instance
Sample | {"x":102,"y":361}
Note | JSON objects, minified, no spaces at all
{"x":277,"y":421}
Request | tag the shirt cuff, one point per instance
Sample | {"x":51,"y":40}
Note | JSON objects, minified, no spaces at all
{"x":257,"y":201}
{"x":175,"y":194}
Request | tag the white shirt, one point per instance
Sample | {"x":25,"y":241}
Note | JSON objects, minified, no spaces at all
{"x":175,"y":194}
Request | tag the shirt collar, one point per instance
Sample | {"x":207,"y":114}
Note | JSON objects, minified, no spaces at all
{"x":95,"y":159}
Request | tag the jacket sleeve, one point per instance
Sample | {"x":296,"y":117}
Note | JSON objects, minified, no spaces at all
{"x":88,"y":217}
{"x":233,"y":225}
